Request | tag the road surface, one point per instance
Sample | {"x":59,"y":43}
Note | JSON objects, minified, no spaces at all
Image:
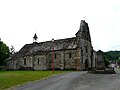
{"x":80,"y":80}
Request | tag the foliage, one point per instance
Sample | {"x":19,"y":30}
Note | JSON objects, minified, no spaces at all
{"x":4,"y":52}
{"x":106,"y":61}
{"x":119,"y":61}
{"x":12,"y":78}
{"x":113,"y":55}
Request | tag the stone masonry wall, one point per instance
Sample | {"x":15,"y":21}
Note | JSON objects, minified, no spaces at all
{"x":40,"y":62}
{"x":65,"y":59}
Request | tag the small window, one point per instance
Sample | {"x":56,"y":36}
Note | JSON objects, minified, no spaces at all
{"x":38,"y":61}
{"x":55,"y":56}
{"x":70,"y":55}
{"x":24,"y":61}
{"x":86,"y":49}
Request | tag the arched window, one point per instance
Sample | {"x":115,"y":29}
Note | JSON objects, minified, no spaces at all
{"x":24,"y":61}
{"x":70,"y":55}
{"x":38,"y":61}
{"x":86,"y":49}
{"x":81,"y":55}
{"x":55,"y":56}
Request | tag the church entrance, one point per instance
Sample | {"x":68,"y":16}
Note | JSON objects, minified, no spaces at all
{"x":86,"y":64}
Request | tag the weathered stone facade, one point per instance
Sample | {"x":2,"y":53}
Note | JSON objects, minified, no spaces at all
{"x":100,"y":60}
{"x":71,"y":53}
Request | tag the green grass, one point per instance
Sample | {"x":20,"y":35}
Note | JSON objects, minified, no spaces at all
{"x":12,"y":78}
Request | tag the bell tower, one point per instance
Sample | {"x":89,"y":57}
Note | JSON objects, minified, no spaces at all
{"x":83,"y":32}
{"x":35,"y":38}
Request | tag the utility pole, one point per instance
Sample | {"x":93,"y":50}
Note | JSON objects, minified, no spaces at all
{"x":53,"y":55}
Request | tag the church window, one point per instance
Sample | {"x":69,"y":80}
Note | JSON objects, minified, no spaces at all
{"x":24,"y":61}
{"x":86,"y":49}
{"x":55,"y":56}
{"x":70,"y":55}
{"x":38,"y":61}
{"x":81,"y":55}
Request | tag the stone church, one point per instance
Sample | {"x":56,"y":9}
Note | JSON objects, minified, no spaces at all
{"x":74,"y":53}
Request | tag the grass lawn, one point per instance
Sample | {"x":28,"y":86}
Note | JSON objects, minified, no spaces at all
{"x":12,"y":78}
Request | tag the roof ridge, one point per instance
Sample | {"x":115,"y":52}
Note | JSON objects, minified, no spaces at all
{"x":56,"y":40}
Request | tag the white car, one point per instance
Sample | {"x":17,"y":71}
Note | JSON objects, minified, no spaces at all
{"x":111,"y":65}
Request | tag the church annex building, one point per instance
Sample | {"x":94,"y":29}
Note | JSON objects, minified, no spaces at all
{"x":71,"y":53}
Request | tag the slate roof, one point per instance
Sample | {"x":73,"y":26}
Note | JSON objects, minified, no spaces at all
{"x":45,"y":47}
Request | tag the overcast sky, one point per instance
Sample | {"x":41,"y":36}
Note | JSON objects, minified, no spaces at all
{"x":58,"y":19}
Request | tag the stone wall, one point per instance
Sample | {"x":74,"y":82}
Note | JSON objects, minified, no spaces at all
{"x":64,"y":59}
{"x":86,"y":50}
{"x":39,"y":62}
{"x":10,"y":64}
{"x":100,"y":60}
{"x":94,"y":58}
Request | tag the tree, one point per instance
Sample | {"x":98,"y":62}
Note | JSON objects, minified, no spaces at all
{"x":119,"y":62}
{"x":12,"y":50}
{"x":113,"y":55}
{"x":4,"y":53}
{"x":106,"y":60}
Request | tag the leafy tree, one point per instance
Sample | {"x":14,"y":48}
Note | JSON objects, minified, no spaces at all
{"x":4,"y":52}
{"x":119,"y":61}
{"x":106,"y":60}
{"x":113,"y":55}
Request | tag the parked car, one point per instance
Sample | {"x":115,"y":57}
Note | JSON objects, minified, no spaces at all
{"x":111,"y":65}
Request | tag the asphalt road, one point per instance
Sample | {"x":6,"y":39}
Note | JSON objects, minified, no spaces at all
{"x":80,"y":80}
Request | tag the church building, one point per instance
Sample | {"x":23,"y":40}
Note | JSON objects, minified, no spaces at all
{"x":74,"y":53}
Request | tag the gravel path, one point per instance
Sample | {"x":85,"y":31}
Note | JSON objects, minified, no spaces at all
{"x":76,"y":81}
